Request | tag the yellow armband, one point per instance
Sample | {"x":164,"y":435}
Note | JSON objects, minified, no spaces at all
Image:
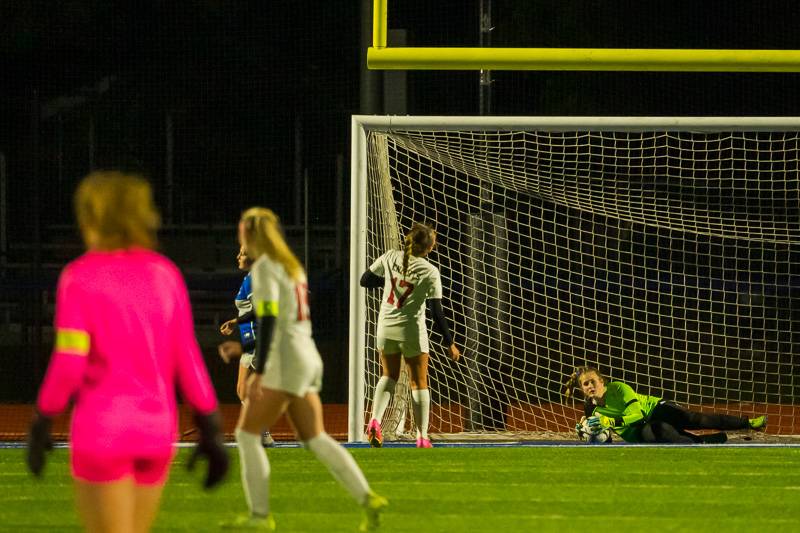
{"x":264,"y":308}
{"x":72,"y":341}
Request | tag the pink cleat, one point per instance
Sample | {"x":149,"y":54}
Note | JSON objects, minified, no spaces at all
{"x":374,"y":435}
{"x":424,"y":443}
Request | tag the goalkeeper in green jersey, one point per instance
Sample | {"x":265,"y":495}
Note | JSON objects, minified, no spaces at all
{"x":640,"y":418}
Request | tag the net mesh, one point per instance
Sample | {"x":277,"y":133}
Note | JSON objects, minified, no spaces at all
{"x":669,"y":260}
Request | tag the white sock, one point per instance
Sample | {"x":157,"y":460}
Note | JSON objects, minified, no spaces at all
{"x":340,"y":464}
{"x":384,"y":391}
{"x":255,"y":472}
{"x":421,"y":400}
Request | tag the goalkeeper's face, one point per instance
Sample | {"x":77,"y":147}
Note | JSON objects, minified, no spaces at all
{"x":592,"y":385}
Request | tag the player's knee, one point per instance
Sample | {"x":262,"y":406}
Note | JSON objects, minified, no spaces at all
{"x":651,"y":432}
{"x":390,"y":384}
{"x":315,"y":443}
{"x":418,"y":383}
{"x":392,"y":374}
{"x":243,"y":434}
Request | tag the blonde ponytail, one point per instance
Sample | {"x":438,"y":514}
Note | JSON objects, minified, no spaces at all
{"x":409,"y":246}
{"x":569,"y":386}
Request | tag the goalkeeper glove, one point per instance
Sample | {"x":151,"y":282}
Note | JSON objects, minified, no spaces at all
{"x":211,"y":447}
{"x":39,"y":442}
{"x":599,"y":422}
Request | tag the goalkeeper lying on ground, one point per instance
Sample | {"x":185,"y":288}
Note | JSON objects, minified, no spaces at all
{"x":639,"y":418}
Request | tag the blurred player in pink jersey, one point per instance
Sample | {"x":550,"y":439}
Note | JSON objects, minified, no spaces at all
{"x":287,"y":376}
{"x":409,"y":281}
{"x":124,"y":338}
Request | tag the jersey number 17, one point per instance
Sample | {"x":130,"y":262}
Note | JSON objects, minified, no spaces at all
{"x":403,"y":285}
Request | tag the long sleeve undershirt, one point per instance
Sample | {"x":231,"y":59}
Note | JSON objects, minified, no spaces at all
{"x":266,"y":327}
{"x":370,"y":280}
{"x":435,"y":307}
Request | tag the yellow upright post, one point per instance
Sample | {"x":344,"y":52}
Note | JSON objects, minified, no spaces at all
{"x":380,"y":57}
{"x":379,"y":23}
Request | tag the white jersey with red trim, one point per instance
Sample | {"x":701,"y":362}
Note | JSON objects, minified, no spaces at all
{"x":402,"y":314}
{"x":273,"y":286}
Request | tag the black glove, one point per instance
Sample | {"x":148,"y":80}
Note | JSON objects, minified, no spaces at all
{"x":39,"y":442}
{"x":210,"y":446}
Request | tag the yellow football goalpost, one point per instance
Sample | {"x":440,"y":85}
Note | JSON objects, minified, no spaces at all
{"x":381,"y":57}
{"x":461,"y":403}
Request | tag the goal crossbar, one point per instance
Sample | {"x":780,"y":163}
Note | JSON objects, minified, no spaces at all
{"x":381,"y":57}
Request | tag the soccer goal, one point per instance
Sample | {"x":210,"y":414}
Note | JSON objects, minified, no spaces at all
{"x":664,"y":251}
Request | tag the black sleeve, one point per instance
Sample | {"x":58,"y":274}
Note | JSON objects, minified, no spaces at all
{"x":370,"y":280}
{"x":265,"y":326}
{"x":435,"y":307}
{"x":588,"y":408}
{"x":247,"y":317}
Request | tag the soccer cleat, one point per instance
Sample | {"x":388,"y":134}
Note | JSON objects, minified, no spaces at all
{"x":250,"y":523}
{"x":759,"y":423}
{"x":424,"y":443}
{"x":266,"y":440}
{"x":372,"y":512}
{"x":374,"y":435}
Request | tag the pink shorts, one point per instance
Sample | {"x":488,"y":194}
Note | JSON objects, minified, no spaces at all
{"x":145,"y":470}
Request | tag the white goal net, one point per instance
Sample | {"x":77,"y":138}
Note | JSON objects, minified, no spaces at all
{"x":664,"y":251}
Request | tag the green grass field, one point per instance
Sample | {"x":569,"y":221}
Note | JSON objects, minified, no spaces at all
{"x":498,"y":490}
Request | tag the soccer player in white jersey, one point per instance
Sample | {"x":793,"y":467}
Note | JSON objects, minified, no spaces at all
{"x":409,"y":281}
{"x":287,"y":376}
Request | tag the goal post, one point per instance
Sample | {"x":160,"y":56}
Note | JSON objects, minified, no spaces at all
{"x":663,"y":250}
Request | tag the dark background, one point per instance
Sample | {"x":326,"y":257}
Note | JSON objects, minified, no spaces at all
{"x":233,"y":104}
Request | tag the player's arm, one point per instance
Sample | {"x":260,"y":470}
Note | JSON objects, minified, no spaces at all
{"x":266,"y":295}
{"x":64,"y":373}
{"x":632,"y":412}
{"x":192,"y":375}
{"x":266,"y":316}
{"x":434,"y":303}
{"x":71,"y":349}
{"x":435,"y":307}
{"x":64,"y":376}
{"x":249,"y":316}
{"x":437,"y":312}
{"x":370,"y":280}
{"x":374,"y":276}
{"x":623,"y":399}
{"x":196,"y":388}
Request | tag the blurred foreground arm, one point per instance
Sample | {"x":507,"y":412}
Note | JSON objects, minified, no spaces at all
{"x":39,"y":442}
{"x":211,"y":447}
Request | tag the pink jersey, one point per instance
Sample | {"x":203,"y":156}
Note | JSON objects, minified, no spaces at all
{"x":124,"y":341}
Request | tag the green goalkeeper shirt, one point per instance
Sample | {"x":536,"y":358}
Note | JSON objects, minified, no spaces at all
{"x":628,"y":409}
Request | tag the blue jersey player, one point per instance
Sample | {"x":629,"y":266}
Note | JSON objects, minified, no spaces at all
{"x":245,"y":349}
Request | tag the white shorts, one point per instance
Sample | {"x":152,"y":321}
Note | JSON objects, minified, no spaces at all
{"x":295,"y":373}
{"x":409,"y":348}
{"x":247,"y":360}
